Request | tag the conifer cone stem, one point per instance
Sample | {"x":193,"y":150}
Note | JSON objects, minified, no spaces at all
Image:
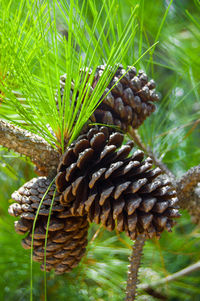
{"x":135,"y":260}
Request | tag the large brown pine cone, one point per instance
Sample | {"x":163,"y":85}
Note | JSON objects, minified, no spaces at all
{"x":96,"y":176}
{"x":130,"y":101}
{"x":67,"y":234}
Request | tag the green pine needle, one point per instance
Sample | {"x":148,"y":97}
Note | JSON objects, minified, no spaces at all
{"x":32,"y":241}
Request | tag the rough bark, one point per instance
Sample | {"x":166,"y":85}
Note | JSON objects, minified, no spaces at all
{"x":36,"y":148}
{"x":135,"y":260}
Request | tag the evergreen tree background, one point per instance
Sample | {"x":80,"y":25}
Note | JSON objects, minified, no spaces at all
{"x":172,"y":133}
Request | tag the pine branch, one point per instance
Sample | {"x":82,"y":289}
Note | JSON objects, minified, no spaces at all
{"x":36,"y":148}
{"x":135,"y":259}
{"x":136,"y":138}
{"x":189,"y":193}
{"x":182,"y":273}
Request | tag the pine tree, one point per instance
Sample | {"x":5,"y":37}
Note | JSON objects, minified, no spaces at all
{"x":78,"y":125}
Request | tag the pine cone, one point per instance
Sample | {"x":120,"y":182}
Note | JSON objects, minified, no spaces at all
{"x":67,"y":234}
{"x":97,"y":177}
{"x":130,"y":101}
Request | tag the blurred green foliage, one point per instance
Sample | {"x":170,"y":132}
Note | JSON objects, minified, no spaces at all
{"x":173,"y":132}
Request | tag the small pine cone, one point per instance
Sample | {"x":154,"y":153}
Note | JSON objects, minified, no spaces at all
{"x":130,"y":101}
{"x":97,"y":177}
{"x":67,"y":234}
